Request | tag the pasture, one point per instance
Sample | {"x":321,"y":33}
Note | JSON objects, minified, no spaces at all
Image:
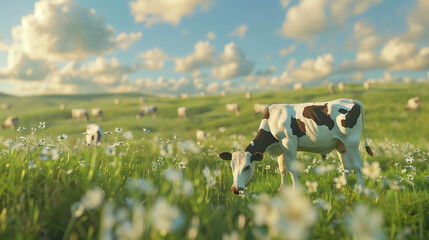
{"x":152,"y":179}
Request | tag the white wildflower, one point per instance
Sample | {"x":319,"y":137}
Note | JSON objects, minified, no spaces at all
{"x":92,"y":198}
{"x":165,"y":217}
{"x":312,"y":186}
{"x":173,"y":175}
{"x":340,"y":181}
{"x":365,"y":223}
{"x":140,"y":185}
{"x":372,"y":171}
{"x":128,"y":135}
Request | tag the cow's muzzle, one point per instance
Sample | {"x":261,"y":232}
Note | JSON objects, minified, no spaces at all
{"x":236,"y":190}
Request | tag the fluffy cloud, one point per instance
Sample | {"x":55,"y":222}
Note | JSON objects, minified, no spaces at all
{"x":305,"y":20}
{"x":285,"y":51}
{"x":234,"y":63}
{"x":170,"y":11}
{"x":154,"y":59}
{"x":309,"y":17}
{"x":203,"y":56}
{"x":21,"y":67}
{"x":284,"y":3}
{"x":364,"y":37}
{"x":66,"y":30}
{"x":418,"y":22}
{"x":3,"y":45}
{"x":240,"y":31}
{"x":342,"y":9}
{"x":211,"y":35}
{"x":312,"y":69}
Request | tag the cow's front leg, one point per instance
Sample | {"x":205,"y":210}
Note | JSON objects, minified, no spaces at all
{"x":290,"y":150}
{"x":283,"y":169}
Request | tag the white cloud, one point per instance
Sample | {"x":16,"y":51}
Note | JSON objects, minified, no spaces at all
{"x":396,"y":50}
{"x":418,"y":22}
{"x":306,"y":19}
{"x":285,"y":51}
{"x":105,"y":72}
{"x":343,"y":9}
{"x":154,"y":54}
{"x":284,"y":3}
{"x":261,"y":75}
{"x":233,"y":63}
{"x":124,"y":40}
{"x":66,"y":30}
{"x":240,"y":31}
{"x":364,"y":37}
{"x":203,"y":56}
{"x":169,"y":11}
{"x":3,"y":46}
{"x":21,"y":67}
{"x":311,"y":69}
{"x":211,"y":35}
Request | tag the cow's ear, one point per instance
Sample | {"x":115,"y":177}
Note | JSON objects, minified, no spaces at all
{"x":257,"y":156}
{"x":225,"y":156}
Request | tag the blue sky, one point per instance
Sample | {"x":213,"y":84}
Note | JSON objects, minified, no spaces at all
{"x":76,"y":46}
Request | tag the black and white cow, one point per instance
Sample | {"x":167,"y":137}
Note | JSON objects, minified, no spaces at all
{"x":317,"y":127}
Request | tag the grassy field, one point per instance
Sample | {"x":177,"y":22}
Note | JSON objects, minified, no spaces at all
{"x":165,"y":184}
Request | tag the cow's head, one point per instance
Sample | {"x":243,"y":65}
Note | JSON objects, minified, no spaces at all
{"x":242,"y":166}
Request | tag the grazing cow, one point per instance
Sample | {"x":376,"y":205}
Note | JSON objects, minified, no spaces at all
{"x":62,"y":106}
{"x":117,"y":101}
{"x":233,"y":107}
{"x":10,"y":122}
{"x":317,"y":127}
{"x":201,"y":135}
{"x":142,"y":99}
{"x":93,"y":134}
{"x":341,"y":86}
{"x":331,"y":88}
{"x":5,"y":106}
{"x":97,"y":112}
{"x":298,"y":87}
{"x":147,"y":110}
{"x":80,"y":113}
{"x":260,"y":108}
{"x":223,"y":93}
{"x":413,"y":104}
{"x":182,"y":112}
{"x":202,"y":94}
{"x":367,"y":85}
{"x":248,"y":95}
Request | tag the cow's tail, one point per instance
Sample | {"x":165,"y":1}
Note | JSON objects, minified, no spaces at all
{"x":367,"y":147}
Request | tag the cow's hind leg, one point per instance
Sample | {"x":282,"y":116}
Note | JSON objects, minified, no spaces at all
{"x":345,"y":162}
{"x":283,"y":169}
{"x":356,"y":162}
{"x":289,"y":151}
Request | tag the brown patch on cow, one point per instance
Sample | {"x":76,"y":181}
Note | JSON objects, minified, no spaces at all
{"x":351,"y":117}
{"x":319,"y":114}
{"x":341,"y":148}
{"x":260,"y":143}
{"x":342,"y":110}
{"x":297,"y":126}
{"x":266,"y":114}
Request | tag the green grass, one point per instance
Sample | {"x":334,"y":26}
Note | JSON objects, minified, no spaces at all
{"x":36,"y":195}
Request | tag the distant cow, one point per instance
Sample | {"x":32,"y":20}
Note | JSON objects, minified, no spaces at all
{"x":200,"y":135}
{"x":202,"y":94}
{"x":317,"y":127}
{"x":80,"y":113}
{"x":93,"y":134}
{"x":331,"y":88}
{"x":182,"y":112}
{"x":97,"y":112}
{"x":233,"y":107}
{"x":10,"y":122}
{"x":298,"y":87}
{"x":144,"y":110}
{"x":62,"y":106}
{"x":223,"y":93}
{"x":367,"y":85}
{"x":413,"y":103}
{"x":260,"y":108}
{"x":5,"y":106}
{"x":117,"y":101}
{"x":248,"y":95}
{"x":341,"y":86}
